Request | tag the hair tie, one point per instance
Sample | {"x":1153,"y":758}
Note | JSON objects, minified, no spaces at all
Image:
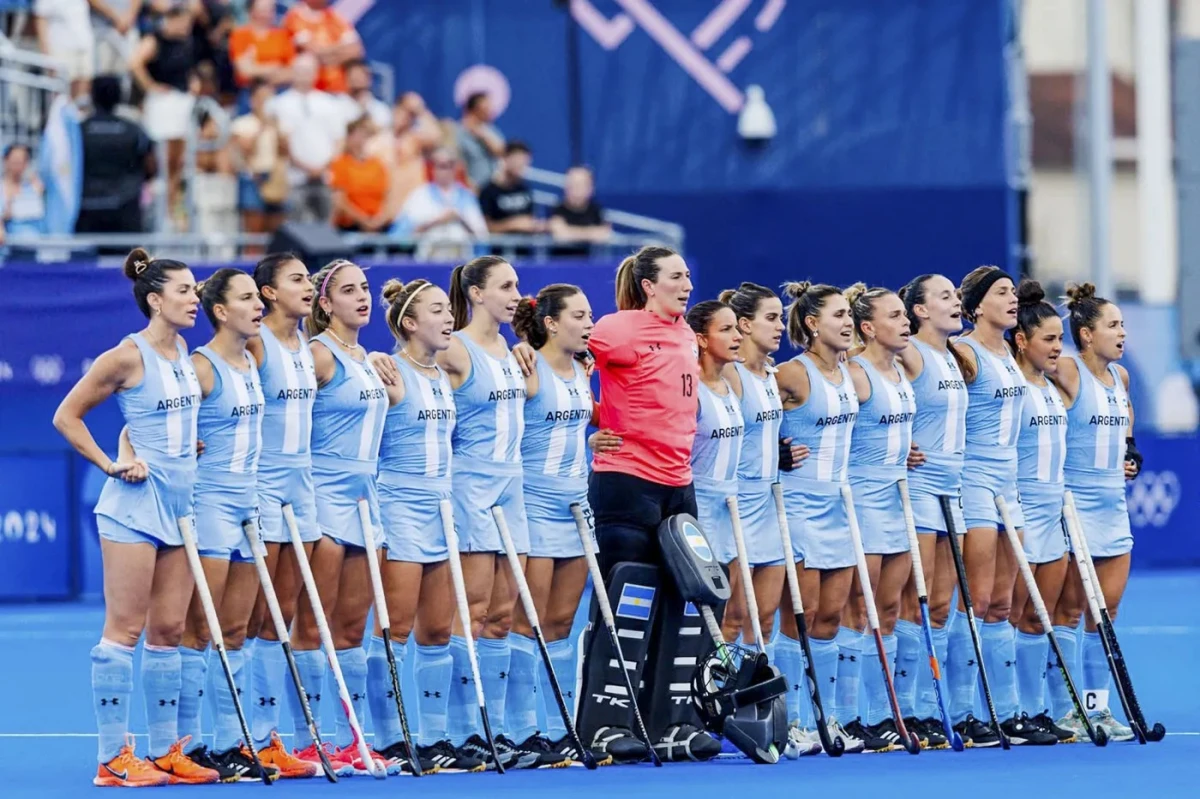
{"x":532,"y":302}
{"x":140,"y":266}
{"x":325,"y":283}
{"x":412,"y":297}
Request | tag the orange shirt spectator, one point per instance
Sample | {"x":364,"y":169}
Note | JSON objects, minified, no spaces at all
{"x":260,"y":49}
{"x":326,"y":34}
{"x":360,"y":183}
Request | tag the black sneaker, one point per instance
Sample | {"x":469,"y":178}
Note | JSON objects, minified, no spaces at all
{"x":446,"y":759}
{"x":683,"y":742}
{"x":872,"y":741}
{"x":537,"y":752}
{"x":976,"y":734}
{"x":396,"y":758}
{"x":931,"y":733}
{"x":888,"y":731}
{"x":565,"y":746}
{"x":239,"y":759}
{"x":477,"y":747}
{"x":619,"y":744}
{"x":204,"y":758}
{"x":1046,"y":724}
{"x":1023,"y":732}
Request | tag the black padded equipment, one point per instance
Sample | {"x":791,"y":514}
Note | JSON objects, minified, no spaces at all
{"x":691,"y":561}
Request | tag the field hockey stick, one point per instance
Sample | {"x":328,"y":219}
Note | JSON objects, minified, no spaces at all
{"x":385,"y":625}
{"x":514,"y":562}
{"x":743,"y":562}
{"x":912,"y":744}
{"x":377,"y":770}
{"x":914,"y":547}
{"x":285,"y":641}
{"x":610,"y":624}
{"x":834,"y":747}
{"x":1096,"y":734}
{"x":446,"y":510}
{"x":218,"y":639}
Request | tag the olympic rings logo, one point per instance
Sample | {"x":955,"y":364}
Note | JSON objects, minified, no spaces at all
{"x":1152,"y":498}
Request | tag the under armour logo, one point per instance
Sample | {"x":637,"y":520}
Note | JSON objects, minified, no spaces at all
{"x":1008,"y":664}
{"x":200,"y":692}
{"x":464,"y":681}
{"x":833,"y":679}
{"x":437,"y":694}
{"x":312,"y":697}
{"x":971,"y":662}
{"x":165,"y":702}
{"x":263,"y":701}
{"x":569,"y":694}
{"x":902,"y":673}
{"x":357,"y":697}
{"x":114,"y":701}
{"x":854,"y":658}
{"x":391,"y":694}
{"x":504,"y":675}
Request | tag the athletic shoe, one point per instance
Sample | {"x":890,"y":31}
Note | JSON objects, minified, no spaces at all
{"x":204,"y":758}
{"x":181,"y":769}
{"x":477,"y":747}
{"x":1116,"y":730}
{"x":446,"y":759}
{"x":619,"y":744}
{"x":853,"y":745}
{"x":347,"y":762}
{"x":565,"y":746}
{"x":309,"y":755}
{"x":1073,"y":723}
{"x":929,"y":731}
{"x":1046,"y":724}
{"x":239,"y":761}
{"x":396,"y":758}
{"x":127,"y":770}
{"x":801,"y":742}
{"x":290,"y":767}
{"x":875,"y":738}
{"x":1020,"y":731}
{"x":536,"y":752}
{"x":975,"y":733}
{"x":683,"y":742}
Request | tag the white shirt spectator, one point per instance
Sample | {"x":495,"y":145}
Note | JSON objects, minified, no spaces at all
{"x":446,"y":239}
{"x":315,"y":125}
{"x":114,"y":48}
{"x":379,"y":111}
{"x":68,"y":35}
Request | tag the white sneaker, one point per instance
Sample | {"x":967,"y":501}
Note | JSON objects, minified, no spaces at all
{"x":853,"y":745}
{"x":801,"y":742}
{"x":1115,"y":730}
{"x":1072,"y":722}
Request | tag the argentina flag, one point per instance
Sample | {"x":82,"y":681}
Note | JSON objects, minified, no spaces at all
{"x":635,"y":601}
{"x":60,"y":165}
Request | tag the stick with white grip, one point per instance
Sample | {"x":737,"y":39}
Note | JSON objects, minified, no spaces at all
{"x":743,"y":561}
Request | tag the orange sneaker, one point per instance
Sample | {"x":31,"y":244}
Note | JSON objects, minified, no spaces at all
{"x":127,"y":770}
{"x":290,"y":767}
{"x":181,"y":769}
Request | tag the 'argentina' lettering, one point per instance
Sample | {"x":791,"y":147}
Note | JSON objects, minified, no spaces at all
{"x":175,"y":403}
{"x":726,"y":432}
{"x":1110,"y":421}
{"x":369,"y":394}
{"x":769,"y":415}
{"x":896,"y":418}
{"x":1009,"y":393}
{"x":573,"y":415}
{"x":841,"y":418}
{"x":295,"y":394}
{"x":951,"y":385}
{"x":435,"y":415}
{"x":245,"y":410}
{"x":506,"y":394}
{"x":1042,"y":421}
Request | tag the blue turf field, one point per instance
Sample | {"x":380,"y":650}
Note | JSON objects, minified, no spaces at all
{"x":47,"y":742}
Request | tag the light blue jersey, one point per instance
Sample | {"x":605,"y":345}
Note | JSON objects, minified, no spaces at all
{"x":230,"y":425}
{"x":994,"y":407}
{"x":491,"y":411}
{"x":554,"y":455}
{"x":1042,"y":444}
{"x":161,"y":413}
{"x":715,"y":456}
{"x":940,"y":425}
{"x":289,"y":384}
{"x":762,"y":412}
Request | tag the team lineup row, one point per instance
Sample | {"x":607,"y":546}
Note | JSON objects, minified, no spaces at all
{"x":315,"y":452}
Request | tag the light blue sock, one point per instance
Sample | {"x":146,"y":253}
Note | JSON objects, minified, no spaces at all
{"x":564,"y":659}
{"x":161,"y":683}
{"x":267,"y":690}
{"x":909,"y":648}
{"x":312,"y":666}
{"x":384,"y":717}
{"x":432,"y":667}
{"x":825,"y":664}
{"x":769,"y":649}
{"x":962,"y":672}
{"x":1032,"y":652}
{"x":463,"y":713}
{"x":849,"y":673}
{"x":1095,"y":665}
{"x":354,"y":670}
{"x":1000,"y":657}
{"x":193,"y":668}
{"x":495,"y":657}
{"x":927,"y":704}
{"x":112,"y":691}
{"x":520,"y":720}
{"x":879,"y":706}
{"x":789,"y":659}
{"x":227,"y":730}
{"x":1059,"y":698}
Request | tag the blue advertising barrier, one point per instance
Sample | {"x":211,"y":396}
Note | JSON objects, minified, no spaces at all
{"x":37,"y":542}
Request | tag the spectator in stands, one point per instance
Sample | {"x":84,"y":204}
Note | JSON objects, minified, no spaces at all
{"x":64,"y":32}
{"x":507,"y":201}
{"x":117,"y":159}
{"x":315,"y":127}
{"x":359,"y":100}
{"x":325,"y":34}
{"x":115,"y":23}
{"x":22,"y":197}
{"x":212,"y":28}
{"x":260,"y":152}
{"x":162,"y":64}
{"x":480,"y":143}
{"x":579,"y":218}
{"x":443,"y":216}
{"x":261,"y":49}
{"x":215,"y":187}
{"x":414,"y":132}
{"x":360,"y":183}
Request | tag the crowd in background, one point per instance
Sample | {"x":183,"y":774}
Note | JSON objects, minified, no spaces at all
{"x":301,"y":133}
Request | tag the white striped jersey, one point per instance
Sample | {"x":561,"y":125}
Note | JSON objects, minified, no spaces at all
{"x":418,"y":430}
{"x":230,"y":422}
{"x":719,"y":430}
{"x":556,"y":420}
{"x":940,"y":426}
{"x":161,"y":411}
{"x":762,"y":413}
{"x":491,"y":409}
{"x":1098,"y":424}
{"x":994,"y":407}
{"x":1042,"y":445}
{"x":289,"y":384}
{"x":823,"y":424}
{"x":348,"y":415}
{"x":882,"y":432}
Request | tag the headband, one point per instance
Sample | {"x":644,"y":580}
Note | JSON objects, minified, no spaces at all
{"x":412,"y":297}
{"x":972,"y":298}
{"x":325,"y":283}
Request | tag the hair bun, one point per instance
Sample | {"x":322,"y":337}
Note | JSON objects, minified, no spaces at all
{"x":1080,"y":292}
{"x":726,"y":295}
{"x":136,"y":263}
{"x":852,"y":293}
{"x":1030,"y":292}
{"x":392,"y":290}
{"x":796,"y":289}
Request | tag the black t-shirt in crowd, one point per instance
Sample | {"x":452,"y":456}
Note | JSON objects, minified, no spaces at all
{"x":114,"y":161}
{"x":591,"y":215}
{"x":504,"y":202}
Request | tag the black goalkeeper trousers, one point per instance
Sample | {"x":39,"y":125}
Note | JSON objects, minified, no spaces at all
{"x":627,"y":511}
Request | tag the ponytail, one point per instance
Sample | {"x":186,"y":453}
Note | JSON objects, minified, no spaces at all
{"x":642,"y":265}
{"x":473,"y":273}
